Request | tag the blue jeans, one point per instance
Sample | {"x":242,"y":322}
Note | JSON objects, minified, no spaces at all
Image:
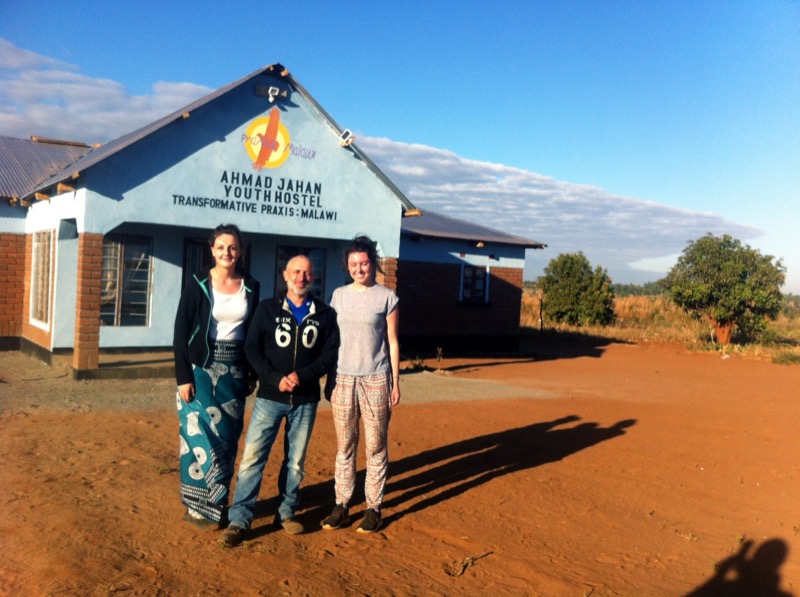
{"x":265,"y":422}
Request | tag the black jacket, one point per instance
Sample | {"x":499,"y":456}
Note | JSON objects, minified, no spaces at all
{"x":191,"y":341}
{"x":276,"y":346}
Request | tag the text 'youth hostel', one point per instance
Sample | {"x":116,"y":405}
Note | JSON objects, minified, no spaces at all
{"x":96,"y":243}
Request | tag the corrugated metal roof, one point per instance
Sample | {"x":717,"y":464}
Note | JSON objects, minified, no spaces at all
{"x":276,"y":70}
{"x":25,"y":164}
{"x":438,"y":226}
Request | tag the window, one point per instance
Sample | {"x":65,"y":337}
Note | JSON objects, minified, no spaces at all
{"x":125,"y":291}
{"x":474,"y":285}
{"x":42,"y":276}
{"x":196,"y":258}
{"x":317,"y":257}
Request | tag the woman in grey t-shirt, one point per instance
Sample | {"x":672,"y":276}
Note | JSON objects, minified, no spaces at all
{"x":367,"y":382}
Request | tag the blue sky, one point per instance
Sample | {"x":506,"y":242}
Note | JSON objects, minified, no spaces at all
{"x":620,"y":129}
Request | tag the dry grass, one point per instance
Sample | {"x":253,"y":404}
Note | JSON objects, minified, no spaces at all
{"x":657,"y":319}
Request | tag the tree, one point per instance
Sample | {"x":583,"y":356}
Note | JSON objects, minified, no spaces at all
{"x":574,"y":294}
{"x":646,"y":289}
{"x":728,"y":283}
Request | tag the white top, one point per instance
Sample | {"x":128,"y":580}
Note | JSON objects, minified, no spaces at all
{"x":229,"y":313}
{"x":361,"y":315}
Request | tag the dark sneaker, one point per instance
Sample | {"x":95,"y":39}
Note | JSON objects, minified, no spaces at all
{"x":371,"y":523}
{"x":232,"y":536}
{"x":338,"y":517}
{"x":291,"y":525}
{"x":199,"y":521}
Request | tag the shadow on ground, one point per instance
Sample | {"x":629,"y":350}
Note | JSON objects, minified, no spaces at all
{"x":740,"y":575}
{"x":434,"y":476}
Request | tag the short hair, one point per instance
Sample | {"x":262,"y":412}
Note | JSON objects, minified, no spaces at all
{"x":362,"y":244}
{"x":293,"y":257}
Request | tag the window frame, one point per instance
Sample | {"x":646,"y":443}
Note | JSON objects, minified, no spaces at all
{"x":469,"y":292}
{"x":116,"y":264}
{"x":41,"y":298}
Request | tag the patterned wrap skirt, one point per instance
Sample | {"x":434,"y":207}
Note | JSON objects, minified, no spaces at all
{"x":210,"y":427}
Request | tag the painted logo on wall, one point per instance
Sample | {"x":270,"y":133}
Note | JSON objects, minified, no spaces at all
{"x":268,"y":145}
{"x":267,"y":141}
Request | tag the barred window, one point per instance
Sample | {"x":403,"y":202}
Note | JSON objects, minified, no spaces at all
{"x":41,"y":282}
{"x":126,"y":280}
{"x":474,"y":285}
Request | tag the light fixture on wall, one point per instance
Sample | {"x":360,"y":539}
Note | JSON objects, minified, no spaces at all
{"x":272,"y":93}
{"x":346,"y":138}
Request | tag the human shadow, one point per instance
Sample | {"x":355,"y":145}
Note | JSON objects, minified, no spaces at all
{"x":452,"y":470}
{"x":739,"y":575}
{"x":448,"y":471}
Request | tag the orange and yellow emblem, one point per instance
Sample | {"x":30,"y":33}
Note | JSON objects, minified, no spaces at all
{"x":267,"y":141}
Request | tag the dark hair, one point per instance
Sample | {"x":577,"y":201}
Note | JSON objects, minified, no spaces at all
{"x":362,"y":244}
{"x":233,"y":230}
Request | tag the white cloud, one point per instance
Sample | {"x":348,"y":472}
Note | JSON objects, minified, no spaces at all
{"x":634,"y":239}
{"x":50,"y":98}
{"x":14,"y":58}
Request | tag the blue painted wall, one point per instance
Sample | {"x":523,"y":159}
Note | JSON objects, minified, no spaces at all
{"x":198,"y":171}
{"x":195,"y":173}
{"x":12,"y":219}
{"x":437,"y":250}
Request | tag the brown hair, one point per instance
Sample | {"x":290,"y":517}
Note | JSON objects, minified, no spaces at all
{"x":362,"y":244}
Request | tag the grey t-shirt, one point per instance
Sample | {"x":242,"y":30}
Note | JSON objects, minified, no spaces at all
{"x":361,"y":315}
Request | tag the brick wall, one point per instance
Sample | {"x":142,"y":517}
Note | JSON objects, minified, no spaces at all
{"x":505,"y":295}
{"x":86,"y":354}
{"x":12,"y":284}
{"x":389,"y":276}
{"x":429,"y":303}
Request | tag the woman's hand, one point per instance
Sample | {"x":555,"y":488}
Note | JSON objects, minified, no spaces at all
{"x":186,"y":392}
{"x":396,"y":393}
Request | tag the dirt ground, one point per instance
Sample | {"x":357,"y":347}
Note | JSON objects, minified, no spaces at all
{"x":583,"y":470}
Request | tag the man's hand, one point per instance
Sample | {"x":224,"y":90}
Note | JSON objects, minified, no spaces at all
{"x":289,"y":383}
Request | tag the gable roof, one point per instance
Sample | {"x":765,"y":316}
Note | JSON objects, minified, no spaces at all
{"x":434,"y":225}
{"x":277,"y":71}
{"x":26,"y":163}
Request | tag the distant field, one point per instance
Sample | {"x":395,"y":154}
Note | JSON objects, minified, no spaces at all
{"x":657,"y":319}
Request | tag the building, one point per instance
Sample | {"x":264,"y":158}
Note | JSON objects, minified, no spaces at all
{"x":96,"y":242}
{"x":461,"y":284}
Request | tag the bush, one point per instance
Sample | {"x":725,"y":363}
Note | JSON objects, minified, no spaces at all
{"x":575,"y":294}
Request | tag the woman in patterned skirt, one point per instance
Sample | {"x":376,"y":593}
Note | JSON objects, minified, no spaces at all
{"x":213,"y":376}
